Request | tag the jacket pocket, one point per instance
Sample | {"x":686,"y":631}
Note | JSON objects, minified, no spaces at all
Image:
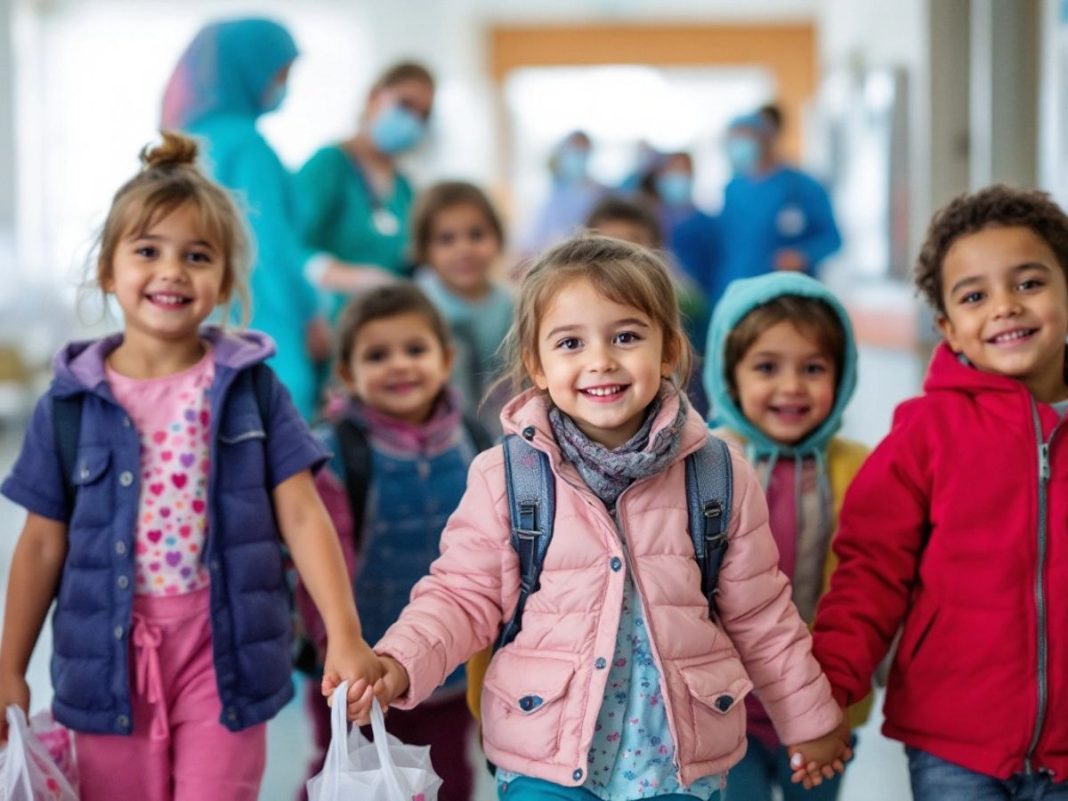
{"x":717,"y":691}
{"x":914,"y":636}
{"x":94,"y":495}
{"x":524,"y":701}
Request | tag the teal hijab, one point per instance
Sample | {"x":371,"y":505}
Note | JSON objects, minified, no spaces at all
{"x":227,"y":69}
{"x":740,"y":298}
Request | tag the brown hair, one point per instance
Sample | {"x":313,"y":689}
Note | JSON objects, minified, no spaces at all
{"x":996,"y":205}
{"x":619,"y":209}
{"x":383,"y":302}
{"x":169,"y":179}
{"x":445,"y":195}
{"x":811,"y":316}
{"x":401,"y":72}
{"x":624,"y":273}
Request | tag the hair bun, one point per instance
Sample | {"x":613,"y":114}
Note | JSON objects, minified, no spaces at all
{"x":176,"y":150}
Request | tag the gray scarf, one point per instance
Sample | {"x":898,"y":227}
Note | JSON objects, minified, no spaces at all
{"x":609,"y":472}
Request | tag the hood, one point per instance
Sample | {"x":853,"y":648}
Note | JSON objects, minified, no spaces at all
{"x":740,"y":298}
{"x":226,"y":69}
{"x":951,"y":372}
{"x":79,"y":366}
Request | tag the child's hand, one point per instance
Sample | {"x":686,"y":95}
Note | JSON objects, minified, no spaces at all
{"x":13,"y":690}
{"x":351,"y":660}
{"x":820,"y":759}
{"x":393,"y":684}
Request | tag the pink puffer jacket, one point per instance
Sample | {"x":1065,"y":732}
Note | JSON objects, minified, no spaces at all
{"x":570,"y":624}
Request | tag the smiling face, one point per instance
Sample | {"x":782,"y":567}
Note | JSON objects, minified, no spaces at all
{"x":1006,"y":302}
{"x":785,"y":383}
{"x":461,"y":249}
{"x":398,"y":366}
{"x":600,"y":361}
{"x":167,"y":278}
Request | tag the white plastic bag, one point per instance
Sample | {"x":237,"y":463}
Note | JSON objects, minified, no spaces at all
{"x":28,"y":772}
{"x":358,"y":770}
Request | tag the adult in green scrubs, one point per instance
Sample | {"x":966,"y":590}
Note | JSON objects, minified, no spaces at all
{"x":354,"y":201}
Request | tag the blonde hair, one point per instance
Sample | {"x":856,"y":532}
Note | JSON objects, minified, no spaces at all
{"x":168,"y":180}
{"x":624,"y":273}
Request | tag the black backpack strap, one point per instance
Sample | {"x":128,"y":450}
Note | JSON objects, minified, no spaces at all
{"x":356,"y":457}
{"x":708,"y":499}
{"x":262,"y":385}
{"x":532,"y":506}
{"x":67,"y":431}
{"x":477,"y":433}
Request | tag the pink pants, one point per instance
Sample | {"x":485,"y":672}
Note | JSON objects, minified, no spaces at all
{"x":178,"y":751}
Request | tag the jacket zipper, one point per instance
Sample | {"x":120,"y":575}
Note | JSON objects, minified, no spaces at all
{"x":614,"y":513}
{"x":1040,"y":589}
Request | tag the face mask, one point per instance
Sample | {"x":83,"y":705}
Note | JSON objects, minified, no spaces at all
{"x":275,"y":95}
{"x":743,"y":153}
{"x":571,"y":164}
{"x":396,"y":129}
{"x":675,"y":188}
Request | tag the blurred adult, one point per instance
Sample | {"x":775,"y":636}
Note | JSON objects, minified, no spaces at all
{"x":775,"y":216}
{"x":667,"y":187}
{"x":231,"y":74}
{"x":572,"y":194}
{"x":355,"y":202}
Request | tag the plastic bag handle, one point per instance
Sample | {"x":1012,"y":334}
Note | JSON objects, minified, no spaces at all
{"x":337,"y":756}
{"x":398,"y":787}
{"x":16,"y":761}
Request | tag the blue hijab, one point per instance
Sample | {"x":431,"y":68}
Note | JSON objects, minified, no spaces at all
{"x":226,"y":69}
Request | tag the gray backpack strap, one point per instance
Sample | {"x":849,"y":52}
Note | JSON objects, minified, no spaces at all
{"x":708,"y":498}
{"x":531,"y":505}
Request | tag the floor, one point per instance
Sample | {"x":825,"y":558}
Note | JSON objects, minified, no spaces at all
{"x":878,"y":772}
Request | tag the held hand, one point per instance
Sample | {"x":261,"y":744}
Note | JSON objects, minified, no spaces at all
{"x":351,"y":660}
{"x":13,"y":690}
{"x":820,"y":759}
{"x":790,"y":260}
{"x":361,"y":278}
{"x":393,"y":684}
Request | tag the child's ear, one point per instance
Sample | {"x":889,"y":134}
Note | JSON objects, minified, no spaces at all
{"x":948,"y":331}
{"x":449,"y":357}
{"x":344,"y":373}
{"x":532,"y":365}
{"x":672,"y":351}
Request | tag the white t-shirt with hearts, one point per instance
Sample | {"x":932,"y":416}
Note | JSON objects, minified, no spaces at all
{"x":173,"y":418}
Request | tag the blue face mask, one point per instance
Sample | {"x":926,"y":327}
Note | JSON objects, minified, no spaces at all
{"x":571,"y":164}
{"x":396,"y":129}
{"x":276,"y":93}
{"x":743,"y":153}
{"x":675,"y":188}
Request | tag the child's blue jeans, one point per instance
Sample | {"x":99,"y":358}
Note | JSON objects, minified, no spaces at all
{"x":525,"y":788}
{"x":763,"y":768}
{"x":934,"y":779}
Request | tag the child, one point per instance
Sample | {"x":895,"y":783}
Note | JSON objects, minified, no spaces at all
{"x":618,"y":684}
{"x":403,"y":449}
{"x":153,"y":472}
{"x":458,"y":236}
{"x":781,"y":369}
{"x":956,"y":524}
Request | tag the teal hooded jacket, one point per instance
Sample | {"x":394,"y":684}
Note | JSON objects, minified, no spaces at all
{"x":219,"y":89}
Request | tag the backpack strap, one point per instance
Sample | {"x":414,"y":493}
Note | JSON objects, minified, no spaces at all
{"x":532,"y":507}
{"x":67,"y":431}
{"x":262,"y":385}
{"x":355,"y":453}
{"x":708,"y":499}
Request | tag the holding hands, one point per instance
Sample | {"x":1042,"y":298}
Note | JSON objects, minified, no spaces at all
{"x":387,"y":681}
{"x":820,"y":759}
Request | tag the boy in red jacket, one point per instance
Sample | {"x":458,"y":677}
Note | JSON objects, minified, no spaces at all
{"x":957,"y":525}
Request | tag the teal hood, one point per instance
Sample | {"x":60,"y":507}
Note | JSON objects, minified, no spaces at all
{"x":740,"y":298}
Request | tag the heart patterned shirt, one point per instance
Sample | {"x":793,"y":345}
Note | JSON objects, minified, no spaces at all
{"x":172,"y":414}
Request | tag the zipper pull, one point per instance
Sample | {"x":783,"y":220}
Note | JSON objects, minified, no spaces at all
{"x":1043,"y":461}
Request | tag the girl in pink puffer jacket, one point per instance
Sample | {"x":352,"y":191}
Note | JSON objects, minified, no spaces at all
{"x":619,"y":685}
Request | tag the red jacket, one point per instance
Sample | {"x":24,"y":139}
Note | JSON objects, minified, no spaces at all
{"x":951,"y":528}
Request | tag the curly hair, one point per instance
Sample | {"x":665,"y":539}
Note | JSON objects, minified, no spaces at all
{"x":997,"y":205}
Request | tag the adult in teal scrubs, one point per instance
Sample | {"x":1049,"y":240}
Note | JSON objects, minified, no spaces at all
{"x":231,"y":74}
{"x":355,"y":203}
